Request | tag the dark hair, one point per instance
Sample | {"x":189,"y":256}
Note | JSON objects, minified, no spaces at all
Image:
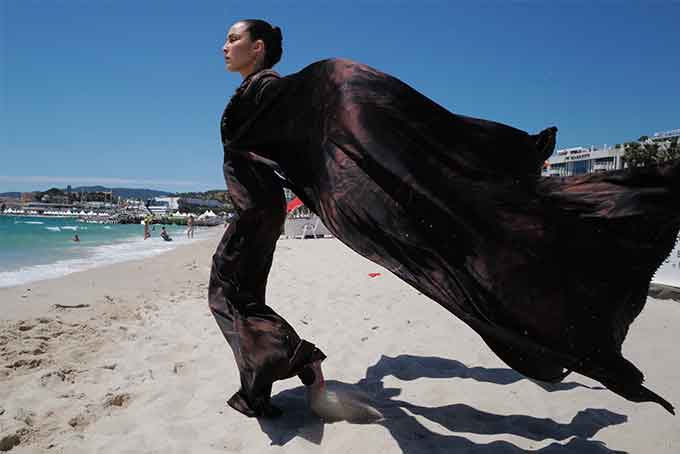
{"x":271,"y":36}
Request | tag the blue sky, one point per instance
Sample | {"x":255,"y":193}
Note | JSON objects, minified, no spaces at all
{"x":129,"y":93}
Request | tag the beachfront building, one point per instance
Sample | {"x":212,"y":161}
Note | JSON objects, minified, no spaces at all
{"x":196,"y":206}
{"x":666,"y":136}
{"x":162,"y":205}
{"x":582,"y":160}
{"x":170,"y":202}
{"x":27,"y":197}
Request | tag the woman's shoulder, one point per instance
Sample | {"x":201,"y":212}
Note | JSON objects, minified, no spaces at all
{"x":258,"y":80}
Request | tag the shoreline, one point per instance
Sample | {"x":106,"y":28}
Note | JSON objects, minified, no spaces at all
{"x":97,"y":277}
{"x":89,"y":256}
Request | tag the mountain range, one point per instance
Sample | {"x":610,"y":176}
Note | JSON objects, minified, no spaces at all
{"x":126,"y":193}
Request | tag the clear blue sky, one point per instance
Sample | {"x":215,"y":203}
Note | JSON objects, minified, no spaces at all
{"x":129,"y":92}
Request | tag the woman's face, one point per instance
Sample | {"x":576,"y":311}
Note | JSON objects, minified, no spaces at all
{"x":240,"y":52}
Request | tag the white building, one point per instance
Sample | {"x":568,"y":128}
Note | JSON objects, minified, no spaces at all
{"x":581,"y":160}
{"x":666,"y":136}
{"x":163,"y":205}
{"x":171,"y":202}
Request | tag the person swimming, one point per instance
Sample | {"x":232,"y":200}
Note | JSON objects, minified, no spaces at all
{"x":165,"y":235}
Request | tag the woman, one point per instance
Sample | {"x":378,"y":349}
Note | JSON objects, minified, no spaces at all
{"x":265,"y":346}
{"x":550,"y":272}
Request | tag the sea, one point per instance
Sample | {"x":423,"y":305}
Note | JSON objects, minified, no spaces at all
{"x":37,"y":248}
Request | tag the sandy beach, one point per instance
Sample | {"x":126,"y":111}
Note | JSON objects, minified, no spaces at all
{"x":141,"y":367}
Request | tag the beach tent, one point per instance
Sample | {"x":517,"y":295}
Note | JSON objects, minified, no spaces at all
{"x":207,"y":214}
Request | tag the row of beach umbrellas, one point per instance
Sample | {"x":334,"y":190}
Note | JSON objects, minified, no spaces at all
{"x":55,"y":213}
{"x":206,"y":214}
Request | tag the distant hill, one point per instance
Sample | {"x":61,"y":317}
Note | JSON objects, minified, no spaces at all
{"x":126,"y":193}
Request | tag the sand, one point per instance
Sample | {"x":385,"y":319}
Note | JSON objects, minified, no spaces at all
{"x":143,"y":368}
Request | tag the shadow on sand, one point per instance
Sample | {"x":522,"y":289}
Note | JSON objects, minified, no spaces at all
{"x":413,"y":437}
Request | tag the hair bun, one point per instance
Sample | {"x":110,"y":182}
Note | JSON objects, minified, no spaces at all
{"x":270,"y":35}
{"x":277,"y":33}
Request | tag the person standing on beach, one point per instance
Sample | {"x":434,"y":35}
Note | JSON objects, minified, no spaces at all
{"x":190,"y":226}
{"x":147,"y":221}
{"x":455,"y":206}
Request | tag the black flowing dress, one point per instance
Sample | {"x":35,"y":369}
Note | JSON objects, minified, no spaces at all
{"x":549,"y":271}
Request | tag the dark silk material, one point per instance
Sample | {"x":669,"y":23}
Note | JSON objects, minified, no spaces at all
{"x":266,"y":348}
{"x":550,"y":272}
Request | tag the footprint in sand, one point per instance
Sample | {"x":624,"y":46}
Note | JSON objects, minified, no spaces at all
{"x":25,"y":416}
{"x":39,"y":349}
{"x":23,"y":326}
{"x":65,"y":375}
{"x":83,"y":419}
{"x":24,"y":364}
{"x":180,"y":368}
{"x":116,"y":400}
{"x":9,"y":441}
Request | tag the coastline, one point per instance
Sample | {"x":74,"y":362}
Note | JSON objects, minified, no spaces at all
{"x":99,"y":246}
{"x":143,"y":367}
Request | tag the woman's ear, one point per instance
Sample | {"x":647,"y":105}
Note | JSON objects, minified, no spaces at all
{"x":258,"y":46}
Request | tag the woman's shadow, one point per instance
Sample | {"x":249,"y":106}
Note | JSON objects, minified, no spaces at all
{"x":413,"y":437}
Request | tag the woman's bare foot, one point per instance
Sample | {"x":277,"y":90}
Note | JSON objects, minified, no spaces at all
{"x":335,"y":402}
{"x":318,"y":375}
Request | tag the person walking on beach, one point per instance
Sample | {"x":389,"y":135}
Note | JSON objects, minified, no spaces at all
{"x":147,"y":221}
{"x":266,"y":347}
{"x":190,"y":226}
{"x":453,"y":205}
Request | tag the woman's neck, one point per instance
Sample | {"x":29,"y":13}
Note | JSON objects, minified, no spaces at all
{"x":250,"y":71}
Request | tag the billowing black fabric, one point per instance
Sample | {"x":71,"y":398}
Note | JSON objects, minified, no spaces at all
{"x":550,"y":272}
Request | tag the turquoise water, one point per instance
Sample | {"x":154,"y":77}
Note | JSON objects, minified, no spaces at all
{"x":34,"y":248}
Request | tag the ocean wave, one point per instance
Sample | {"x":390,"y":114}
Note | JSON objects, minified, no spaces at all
{"x":70,"y":227}
{"x":94,"y":257}
{"x":53,"y":229}
{"x":29,"y":222}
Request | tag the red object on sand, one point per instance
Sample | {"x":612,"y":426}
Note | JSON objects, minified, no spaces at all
{"x":373,"y":274}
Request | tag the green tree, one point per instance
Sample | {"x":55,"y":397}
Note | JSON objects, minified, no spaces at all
{"x":639,"y":155}
{"x":668,"y":151}
{"x":643,"y":154}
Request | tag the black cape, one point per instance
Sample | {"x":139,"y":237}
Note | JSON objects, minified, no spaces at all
{"x":549,"y":271}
